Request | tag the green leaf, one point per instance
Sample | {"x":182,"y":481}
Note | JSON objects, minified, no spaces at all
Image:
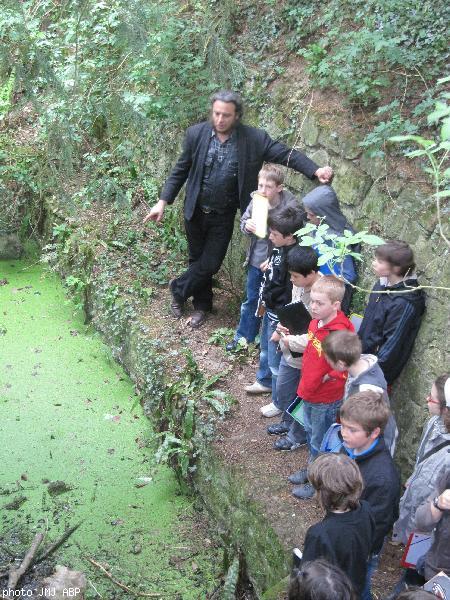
{"x":445,"y":130}
{"x":322,"y":260}
{"x":373,"y":240}
{"x":307,"y":240}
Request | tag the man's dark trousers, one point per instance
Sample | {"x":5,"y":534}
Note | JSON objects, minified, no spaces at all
{"x":208,"y":237}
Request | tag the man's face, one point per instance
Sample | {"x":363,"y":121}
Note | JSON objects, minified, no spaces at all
{"x":322,"y":308}
{"x":223,"y":116}
{"x":355,"y":437}
{"x":269,"y":189}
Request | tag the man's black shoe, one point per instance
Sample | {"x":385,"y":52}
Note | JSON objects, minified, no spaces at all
{"x":277,"y":429}
{"x":176,"y":305}
{"x":231,"y":347}
{"x":197,"y":319}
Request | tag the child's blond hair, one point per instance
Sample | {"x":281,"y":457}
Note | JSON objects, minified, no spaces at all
{"x":367,"y":409}
{"x":273,"y":173}
{"x":330,"y":285}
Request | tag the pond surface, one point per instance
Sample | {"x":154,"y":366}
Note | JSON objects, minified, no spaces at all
{"x":68,"y":414}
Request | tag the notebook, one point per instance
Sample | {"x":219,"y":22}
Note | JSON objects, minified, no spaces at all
{"x":295,"y":317}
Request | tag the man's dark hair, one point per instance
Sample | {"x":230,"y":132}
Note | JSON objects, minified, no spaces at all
{"x":303,"y":260}
{"x":399,"y":255}
{"x":320,"y":580}
{"x":286,"y":220}
{"x":229,"y":96}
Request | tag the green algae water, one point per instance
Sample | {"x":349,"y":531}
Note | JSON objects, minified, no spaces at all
{"x":74,"y":448}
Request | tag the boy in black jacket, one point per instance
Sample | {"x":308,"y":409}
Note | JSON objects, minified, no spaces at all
{"x":392,"y":317}
{"x":363,"y":419}
{"x":345,"y":536}
{"x":276,"y":288}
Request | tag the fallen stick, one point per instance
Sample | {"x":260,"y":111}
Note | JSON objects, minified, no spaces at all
{"x":65,"y":536}
{"x":16,"y":574}
{"x":122,"y":585}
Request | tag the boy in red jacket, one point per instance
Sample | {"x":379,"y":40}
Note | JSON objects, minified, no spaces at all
{"x":320,"y":387}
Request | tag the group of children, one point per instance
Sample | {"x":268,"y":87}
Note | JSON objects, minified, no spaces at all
{"x":342,"y":381}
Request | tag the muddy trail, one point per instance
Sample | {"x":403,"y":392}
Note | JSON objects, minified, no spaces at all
{"x":76,"y":448}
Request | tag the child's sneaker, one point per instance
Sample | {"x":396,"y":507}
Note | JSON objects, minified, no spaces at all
{"x":299,"y":477}
{"x":303,"y":492}
{"x":270,"y":410}
{"x":297,"y":556}
{"x":257,"y":388}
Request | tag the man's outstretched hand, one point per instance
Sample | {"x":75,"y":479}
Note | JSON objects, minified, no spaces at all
{"x":324,"y":174}
{"x":156,"y":212}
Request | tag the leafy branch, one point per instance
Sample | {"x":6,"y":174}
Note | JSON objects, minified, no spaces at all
{"x":436,"y":153}
{"x":333,"y":248}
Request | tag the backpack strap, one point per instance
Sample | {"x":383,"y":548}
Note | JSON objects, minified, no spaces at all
{"x":434,"y":450}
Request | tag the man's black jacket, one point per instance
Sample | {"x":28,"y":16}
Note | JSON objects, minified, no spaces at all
{"x":255,"y":147}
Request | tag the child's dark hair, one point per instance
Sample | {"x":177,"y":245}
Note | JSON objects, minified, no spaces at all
{"x":416,"y":594}
{"x":399,"y":255}
{"x":320,"y":580}
{"x":337,"y":481}
{"x":445,"y":412}
{"x":342,"y":345}
{"x":303,"y":260}
{"x":286,"y":220}
{"x":368,"y":409}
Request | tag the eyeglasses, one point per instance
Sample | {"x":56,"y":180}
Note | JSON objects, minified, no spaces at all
{"x":432,"y":400}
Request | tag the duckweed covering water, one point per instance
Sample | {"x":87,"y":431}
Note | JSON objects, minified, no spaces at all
{"x":68,"y":415}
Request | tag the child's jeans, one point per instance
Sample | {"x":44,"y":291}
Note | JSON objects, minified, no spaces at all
{"x":318,"y":417}
{"x":287,"y":384}
{"x":270,"y":356}
{"x":249,"y":324}
{"x":263,"y":374}
{"x":372,"y":566}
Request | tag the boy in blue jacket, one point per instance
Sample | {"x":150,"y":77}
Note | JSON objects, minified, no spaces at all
{"x":394,"y":311}
{"x":363,"y":419}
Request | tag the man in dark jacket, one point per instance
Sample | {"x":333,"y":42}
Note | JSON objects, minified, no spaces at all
{"x":220,"y":162}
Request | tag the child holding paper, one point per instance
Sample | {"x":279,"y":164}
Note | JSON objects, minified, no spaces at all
{"x":270,"y":185}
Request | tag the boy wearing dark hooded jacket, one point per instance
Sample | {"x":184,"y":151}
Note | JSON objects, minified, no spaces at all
{"x":322,"y":206}
{"x":394,"y":311}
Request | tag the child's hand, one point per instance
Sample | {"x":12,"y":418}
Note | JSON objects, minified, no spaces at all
{"x":250,"y":226}
{"x":444,"y":500}
{"x":276,"y":337}
{"x":282,"y":330}
{"x":264,"y":265}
